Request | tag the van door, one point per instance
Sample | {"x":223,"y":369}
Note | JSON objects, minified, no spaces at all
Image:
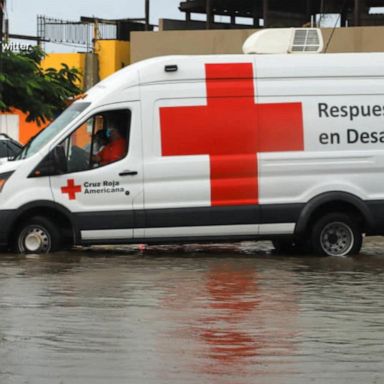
{"x":102,"y":179}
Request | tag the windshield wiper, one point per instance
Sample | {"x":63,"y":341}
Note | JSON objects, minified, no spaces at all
{"x":23,"y":153}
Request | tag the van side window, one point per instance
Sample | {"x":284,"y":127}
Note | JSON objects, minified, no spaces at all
{"x":101,"y":140}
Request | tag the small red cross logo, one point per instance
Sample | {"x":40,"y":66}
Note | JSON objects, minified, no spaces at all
{"x":232,"y":130}
{"x":71,"y":189}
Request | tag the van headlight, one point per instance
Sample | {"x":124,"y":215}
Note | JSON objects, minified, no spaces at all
{"x":3,"y":179}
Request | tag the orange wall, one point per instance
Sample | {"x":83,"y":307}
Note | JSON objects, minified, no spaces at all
{"x":26,"y":129}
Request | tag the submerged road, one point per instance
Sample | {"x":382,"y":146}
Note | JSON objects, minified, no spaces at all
{"x":223,"y":314}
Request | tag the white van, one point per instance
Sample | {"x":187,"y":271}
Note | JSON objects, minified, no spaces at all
{"x":211,"y":148}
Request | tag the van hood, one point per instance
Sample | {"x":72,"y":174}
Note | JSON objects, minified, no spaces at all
{"x":8,"y":166}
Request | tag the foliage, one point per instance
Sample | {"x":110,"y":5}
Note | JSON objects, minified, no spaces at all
{"x":24,"y":85}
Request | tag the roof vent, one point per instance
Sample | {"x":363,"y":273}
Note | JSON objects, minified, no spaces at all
{"x":285,"y":40}
{"x":307,"y":40}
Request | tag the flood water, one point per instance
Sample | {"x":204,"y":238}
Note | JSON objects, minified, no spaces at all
{"x":223,"y":314}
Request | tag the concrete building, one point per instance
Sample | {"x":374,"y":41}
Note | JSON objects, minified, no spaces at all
{"x":145,"y":45}
{"x":273,"y":13}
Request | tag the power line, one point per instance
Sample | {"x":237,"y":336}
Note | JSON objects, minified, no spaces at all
{"x":342,"y":9}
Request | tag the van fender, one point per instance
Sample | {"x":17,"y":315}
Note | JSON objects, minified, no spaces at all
{"x":40,"y":205}
{"x":332,"y":197}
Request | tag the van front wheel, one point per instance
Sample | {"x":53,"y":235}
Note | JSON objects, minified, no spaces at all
{"x":336,"y":234}
{"x":37,"y":235}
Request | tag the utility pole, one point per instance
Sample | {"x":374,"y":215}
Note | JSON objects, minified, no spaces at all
{"x":2,"y":7}
{"x":266,"y":13}
{"x":357,"y":13}
{"x":147,"y":15}
{"x":209,"y":13}
{"x":308,"y":10}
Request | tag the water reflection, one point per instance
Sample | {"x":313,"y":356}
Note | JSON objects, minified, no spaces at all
{"x":234,"y":296}
{"x":233,"y":316}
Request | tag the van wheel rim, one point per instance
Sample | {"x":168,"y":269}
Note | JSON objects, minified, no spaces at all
{"x":36,"y":240}
{"x":336,"y":239}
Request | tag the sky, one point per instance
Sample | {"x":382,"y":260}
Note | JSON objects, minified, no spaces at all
{"x":22,"y":13}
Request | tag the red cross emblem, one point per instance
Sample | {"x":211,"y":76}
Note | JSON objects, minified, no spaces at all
{"x":71,"y":189}
{"x":232,"y":130}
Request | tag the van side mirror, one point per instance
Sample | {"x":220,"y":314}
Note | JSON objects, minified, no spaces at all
{"x":53,"y":164}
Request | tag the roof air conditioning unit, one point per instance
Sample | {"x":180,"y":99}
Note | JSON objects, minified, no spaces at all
{"x":285,"y":40}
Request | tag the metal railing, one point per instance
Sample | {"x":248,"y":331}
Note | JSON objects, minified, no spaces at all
{"x":75,"y":33}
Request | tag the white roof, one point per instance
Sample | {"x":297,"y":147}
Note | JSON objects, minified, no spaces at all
{"x":191,"y":68}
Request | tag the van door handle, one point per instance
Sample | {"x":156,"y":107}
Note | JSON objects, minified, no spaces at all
{"x":128,"y":173}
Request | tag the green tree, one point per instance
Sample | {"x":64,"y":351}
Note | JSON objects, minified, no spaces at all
{"x":41,"y":94}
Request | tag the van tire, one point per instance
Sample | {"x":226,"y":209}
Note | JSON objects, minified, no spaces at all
{"x":37,"y":235}
{"x":336,"y":234}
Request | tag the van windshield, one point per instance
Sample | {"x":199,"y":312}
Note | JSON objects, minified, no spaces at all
{"x":44,"y":136}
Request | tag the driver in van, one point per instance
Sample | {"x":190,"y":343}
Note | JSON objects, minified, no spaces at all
{"x":100,"y":140}
{"x":116,"y":147}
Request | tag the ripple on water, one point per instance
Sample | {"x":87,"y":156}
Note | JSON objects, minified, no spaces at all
{"x":198,"y":313}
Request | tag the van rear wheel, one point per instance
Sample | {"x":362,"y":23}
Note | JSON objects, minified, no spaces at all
{"x":37,"y":235}
{"x":336,"y":234}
